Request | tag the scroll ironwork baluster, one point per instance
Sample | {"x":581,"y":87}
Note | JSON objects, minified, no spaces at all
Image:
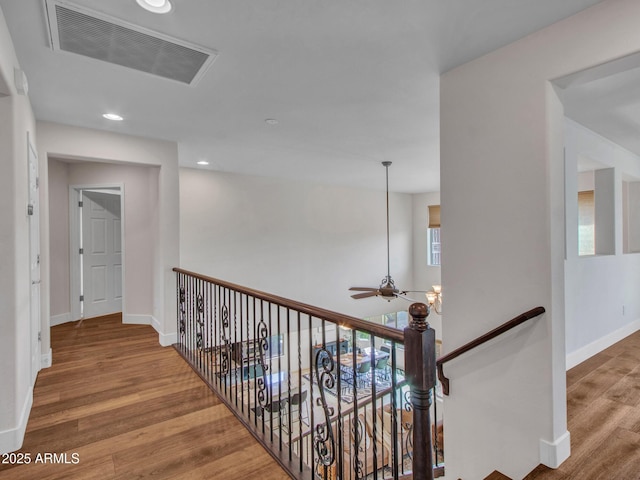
{"x":263,"y":342}
{"x":324,"y":441}
{"x":408,"y":407}
{"x":199,"y":320}
{"x":225,"y":342}
{"x":181,"y":310}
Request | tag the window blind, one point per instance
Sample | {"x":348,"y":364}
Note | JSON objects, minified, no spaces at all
{"x":434,"y":216}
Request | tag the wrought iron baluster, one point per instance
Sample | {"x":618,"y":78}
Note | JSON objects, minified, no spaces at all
{"x":324,"y":441}
{"x":199,"y":316}
{"x":234,"y":304}
{"x":355,"y":424}
{"x":225,"y":333}
{"x":408,"y":407}
{"x":191,"y":317}
{"x":263,"y":346}
{"x":182,"y":309}
{"x":374,"y":413}
{"x":396,"y":459}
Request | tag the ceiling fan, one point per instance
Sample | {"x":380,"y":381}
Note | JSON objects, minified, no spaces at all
{"x":387,"y":288}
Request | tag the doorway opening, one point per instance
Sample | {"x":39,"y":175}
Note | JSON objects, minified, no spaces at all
{"x":96,"y":250}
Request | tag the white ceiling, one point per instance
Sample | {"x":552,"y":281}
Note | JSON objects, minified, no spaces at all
{"x":606,"y":99}
{"x":351,"y":82}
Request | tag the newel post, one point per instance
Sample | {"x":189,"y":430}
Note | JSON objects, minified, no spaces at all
{"x":420,"y":370}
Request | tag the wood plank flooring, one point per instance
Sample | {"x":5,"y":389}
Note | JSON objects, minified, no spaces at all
{"x":129,"y":408}
{"x":120,"y":406}
{"x":603,"y":411}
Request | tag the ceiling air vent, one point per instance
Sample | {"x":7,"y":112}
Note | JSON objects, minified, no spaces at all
{"x":96,"y":35}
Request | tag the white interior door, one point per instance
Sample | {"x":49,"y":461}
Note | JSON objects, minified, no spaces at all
{"x":101,"y":253}
{"x":34,"y":259}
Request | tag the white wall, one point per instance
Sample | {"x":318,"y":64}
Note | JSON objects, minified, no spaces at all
{"x":602,"y":300}
{"x":303,"y":241}
{"x":503,"y":239}
{"x":424,"y":276}
{"x":16,"y":118}
{"x":140,"y":200}
{"x":60,"y":309}
{"x":60,"y":141}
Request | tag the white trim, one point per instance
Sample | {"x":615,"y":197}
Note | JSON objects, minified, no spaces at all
{"x":46,"y":359}
{"x":74,"y":259}
{"x":588,"y":351}
{"x":74,"y":242}
{"x":132,"y":319}
{"x":167,"y":339}
{"x":156,"y":324}
{"x":11,"y":440}
{"x":553,"y":454}
{"x":60,"y":319}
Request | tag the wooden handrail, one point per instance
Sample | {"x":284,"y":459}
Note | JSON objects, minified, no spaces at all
{"x":333,"y":317}
{"x":514,"y":322}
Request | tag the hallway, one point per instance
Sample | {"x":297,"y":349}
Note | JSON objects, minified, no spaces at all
{"x":603,"y":408}
{"x":120,"y":406}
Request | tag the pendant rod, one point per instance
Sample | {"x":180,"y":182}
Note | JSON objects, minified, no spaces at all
{"x":386,"y":165}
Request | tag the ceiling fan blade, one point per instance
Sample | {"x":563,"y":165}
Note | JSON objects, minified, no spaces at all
{"x":363,"y":289}
{"x":413,"y":291}
{"x":365,"y":295}
{"x":401,"y":295}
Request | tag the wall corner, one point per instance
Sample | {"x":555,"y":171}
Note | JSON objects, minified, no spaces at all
{"x":552,"y":454}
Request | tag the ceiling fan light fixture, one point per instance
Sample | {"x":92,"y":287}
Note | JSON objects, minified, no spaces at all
{"x":434,"y":298}
{"x":156,"y":6}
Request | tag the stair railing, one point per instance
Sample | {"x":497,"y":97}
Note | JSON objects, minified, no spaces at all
{"x":514,"y":322}
{"x":326,"y":394}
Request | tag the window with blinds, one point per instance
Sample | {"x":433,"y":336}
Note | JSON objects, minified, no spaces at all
{"x":434,"y":246}
{"x":586,"y":223}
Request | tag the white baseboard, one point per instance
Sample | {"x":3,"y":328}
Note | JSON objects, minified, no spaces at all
{"x":168,"y":339}
{"x":46,"y":359}
{"x":155,"y":323}
{"x":588,"y":351}
{"x":60,"y":319}
{"x":11,"y":440}
{"x":131,"y":319}
{"x":553,"y":454}
{"x":165,"y":339}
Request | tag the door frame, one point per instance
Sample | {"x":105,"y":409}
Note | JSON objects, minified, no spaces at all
{"x":75,"y":266}
{"x":35,"y":289}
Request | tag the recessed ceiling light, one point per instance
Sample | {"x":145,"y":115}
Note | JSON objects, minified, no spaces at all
{"x":272,"y":121}
{"x":155,"y":6}
{"x":202,"y":162}
{"x":113,"y":116}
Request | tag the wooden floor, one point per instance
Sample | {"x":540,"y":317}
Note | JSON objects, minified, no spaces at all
{"x":120,"y":406}
{"x":116,"y":405}
{"x":603,"y":408}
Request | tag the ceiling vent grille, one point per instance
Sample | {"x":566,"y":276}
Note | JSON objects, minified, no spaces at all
{"x":96,"y":35}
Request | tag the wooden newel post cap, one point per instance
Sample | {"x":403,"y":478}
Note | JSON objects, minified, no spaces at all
{"x":419,"y":313}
